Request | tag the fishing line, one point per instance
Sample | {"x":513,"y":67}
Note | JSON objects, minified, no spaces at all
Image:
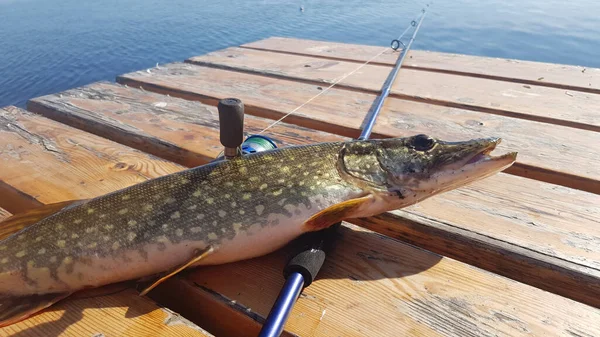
{"x":395,"y":43}
{"x":323,"y":91}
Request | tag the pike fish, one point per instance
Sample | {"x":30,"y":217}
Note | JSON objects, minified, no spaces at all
{"x":225,"y":211}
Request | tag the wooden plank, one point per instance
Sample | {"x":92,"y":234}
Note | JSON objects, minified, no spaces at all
{"x":122,"y":314}
{"x":549,"y":105}
{"x":178,"y":130}
{"x":558,"y":225}
{"x":551,"y":153}
{"x":53,"y":163}
{"x":258,"y":93}
{"x":568,"y":77}
{"x":27,"y":138}
{"x":376,"y":286}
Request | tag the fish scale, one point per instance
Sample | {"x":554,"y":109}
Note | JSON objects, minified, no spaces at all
{"x":223,"y":212}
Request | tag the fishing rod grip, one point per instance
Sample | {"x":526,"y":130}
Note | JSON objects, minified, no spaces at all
{"x":231,"y":124}
{"x":310,"y":259}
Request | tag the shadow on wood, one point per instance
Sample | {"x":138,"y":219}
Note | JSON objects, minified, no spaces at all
{"x":129,"y":315}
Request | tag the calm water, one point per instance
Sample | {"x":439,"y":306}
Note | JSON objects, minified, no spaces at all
{"x":48,"y":46}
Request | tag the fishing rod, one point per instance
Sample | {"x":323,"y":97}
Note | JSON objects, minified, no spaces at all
{"x":370,"y":119}
{"x":303,"y":268}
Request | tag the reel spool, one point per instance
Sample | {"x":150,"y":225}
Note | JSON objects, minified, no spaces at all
{"x":257,"y":143}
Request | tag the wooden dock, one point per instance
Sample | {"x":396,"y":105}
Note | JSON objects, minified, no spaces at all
{"x":517,"y":254}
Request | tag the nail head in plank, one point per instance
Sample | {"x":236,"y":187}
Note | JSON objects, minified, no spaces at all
{"x":568,"y":77}
{"x":549,"y":105}
{"x":551,"y":153}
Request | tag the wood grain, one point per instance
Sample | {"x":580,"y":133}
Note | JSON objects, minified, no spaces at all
{"x":182,"y":131}
{"x":54,"y":163}
{"x":31,"y":146}
{"x":568,"y":77}
{"x":121,"y":314}
{"x":551,"y":153}
{"x":262,"y":96}
{"x":549,"y":105}
{"x":371,"y":286}
{"x":556,"y":224}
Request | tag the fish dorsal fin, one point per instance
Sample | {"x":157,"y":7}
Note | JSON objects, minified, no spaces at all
{"x":336,"y":213}
{"x":198,"y":255}
{"x":21,"y":220}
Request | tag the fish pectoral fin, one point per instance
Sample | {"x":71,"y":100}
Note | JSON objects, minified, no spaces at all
{"x":21,"y":220}
{"x":336,"y":213}
{"x":15,"y":308}
{"x":199,"y":254}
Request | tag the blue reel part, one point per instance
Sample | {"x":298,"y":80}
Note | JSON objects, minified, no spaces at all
{"x":257,"y":143}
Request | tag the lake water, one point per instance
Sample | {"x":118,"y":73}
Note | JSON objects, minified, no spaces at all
{"x":47,"y":46}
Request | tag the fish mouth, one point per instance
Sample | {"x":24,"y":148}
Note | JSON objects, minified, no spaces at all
{"x":478,"y":165}
{"x":484,"y":155}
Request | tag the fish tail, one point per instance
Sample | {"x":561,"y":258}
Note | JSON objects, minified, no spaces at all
{"x":14,"y":308}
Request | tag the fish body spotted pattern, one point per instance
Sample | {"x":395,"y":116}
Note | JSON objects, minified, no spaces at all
{"x":167,"y":218}
{"x":242,"y":208}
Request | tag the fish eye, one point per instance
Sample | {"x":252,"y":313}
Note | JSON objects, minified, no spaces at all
{"x":422,"y":143}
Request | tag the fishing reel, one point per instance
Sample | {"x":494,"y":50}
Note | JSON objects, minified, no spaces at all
{"x":303,"y":267}
{"x":231,"y":124}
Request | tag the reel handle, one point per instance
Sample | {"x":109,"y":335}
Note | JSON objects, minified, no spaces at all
{"x":231,"y":125}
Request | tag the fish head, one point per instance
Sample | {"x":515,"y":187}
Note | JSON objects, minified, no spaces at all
{"x":417,"y":167}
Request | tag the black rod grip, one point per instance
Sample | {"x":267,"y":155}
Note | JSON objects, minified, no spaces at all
{"x":310,"y":259}
{"x":231,"y":122}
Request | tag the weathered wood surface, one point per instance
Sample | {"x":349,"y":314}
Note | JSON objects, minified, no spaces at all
{"x":403,"y":290}
{"x":178,"y":130}
{"x":567,"y":77}
{"x":50,"y":163}
{"x":556,"y":225}
{"x":550,"y":105}
{"x":551,"y":153}
{"x":32,"y":145}
{"x":262,"y":96}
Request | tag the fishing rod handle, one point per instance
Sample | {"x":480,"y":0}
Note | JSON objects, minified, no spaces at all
{"x":310,"y":259}
{"x":231,"y":122}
